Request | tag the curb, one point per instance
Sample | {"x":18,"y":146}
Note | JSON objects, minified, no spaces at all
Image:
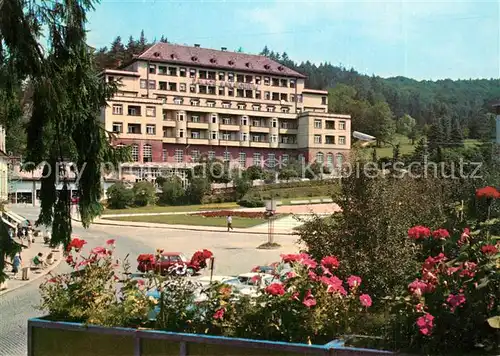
{"x":169,"y":227}
{"x":38,"y":276}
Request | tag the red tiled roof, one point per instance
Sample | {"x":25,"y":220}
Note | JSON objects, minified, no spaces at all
{"x":205,"y":57}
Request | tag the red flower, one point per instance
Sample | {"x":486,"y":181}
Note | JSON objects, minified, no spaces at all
{"x":420,"y":308}
{"x":290,"y":258}
{"x":219,"y":314}
{"x":99,"y":251}
{"x":275,"y":289}
{"x":291,"y":274}
{"x":418,"y":287}
{"x":488,"y":192}
{"x":70,"y":260}
{"x":302,"y":258}
{"x":334,"y":285}
{"x":312,"y":276}
{"x":431,"y":262}
{"x":419,"y":232}
{"x":110,"y":242}
{"x":354,"y":281}
{"x":489,"y":250}
{"x":330,"y":262}
{"x":365,"y":300}
{"x":425,"y":324}
{"x":255,"y":279}
{"x":309,"y":300}
{"x":76,"y":243}
{"x":464,"y":238}
{"x":295,"y":296}
{"x":455,"y":301}
{"x":441,"y":234}
{"x":468,"y":269}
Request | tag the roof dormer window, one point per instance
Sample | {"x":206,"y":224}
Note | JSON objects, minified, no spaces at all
{"x":156,"y":54}
{"x":213,"y":60}
{"x":194,"y":59}
{"x":231,"y":63}
{"x":173,"y":56}
{"x":248,"y":65}
{"x":267,"y":66}
{"x":280,"y":68}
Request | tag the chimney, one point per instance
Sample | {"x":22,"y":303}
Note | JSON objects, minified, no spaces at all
{"x":197,"y":45}
{"x":223,"y":48}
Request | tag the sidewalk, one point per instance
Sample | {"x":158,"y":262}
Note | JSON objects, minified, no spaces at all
{"x":27,"y":255}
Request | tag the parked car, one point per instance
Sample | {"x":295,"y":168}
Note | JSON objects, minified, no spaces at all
{"x":174,"y":263}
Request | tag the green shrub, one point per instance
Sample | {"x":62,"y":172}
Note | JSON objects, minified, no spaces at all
{"x":172,"y":192}
{"x":241,"y":186}
{"x":197,"y":189}
{"x":119,"y":196}
{"x":251,"y":203}
{"x":144,"y":193}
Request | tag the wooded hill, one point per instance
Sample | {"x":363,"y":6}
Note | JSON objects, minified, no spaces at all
{"x":376,"y":104}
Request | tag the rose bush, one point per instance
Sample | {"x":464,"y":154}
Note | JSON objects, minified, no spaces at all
{"x":95,"y":292}
{"x":307,"y":304}
{"x":454,"y":303}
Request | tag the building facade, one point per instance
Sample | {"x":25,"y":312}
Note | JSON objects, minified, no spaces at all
{"x":176,"y":103}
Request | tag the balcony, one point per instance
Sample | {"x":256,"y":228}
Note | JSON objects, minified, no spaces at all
{"x":230,"y":127}
{"x":287,"y":145}
{"x":259,"y":144}
{"x":198,"y":141}
{"x":197,"y":125}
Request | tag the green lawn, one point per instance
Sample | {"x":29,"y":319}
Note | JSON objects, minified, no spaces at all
{"x":405,"y":146}
{"x":172,"y":209}
{"x":195,"y":220}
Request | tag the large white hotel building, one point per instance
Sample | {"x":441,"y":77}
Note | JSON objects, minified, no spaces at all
{"x":176,"y":103}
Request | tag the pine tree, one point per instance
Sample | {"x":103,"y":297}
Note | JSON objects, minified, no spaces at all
{"x":436,"y":136}
{"x":142,"y":43}
{"x":163,"y":39}
{"x":117,"y":52}
{"x":421,"y":152}
{"x":265,"y":51}
{"x":456,"y":135}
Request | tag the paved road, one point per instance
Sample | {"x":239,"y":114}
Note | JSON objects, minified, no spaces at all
{"x":234,"y":253}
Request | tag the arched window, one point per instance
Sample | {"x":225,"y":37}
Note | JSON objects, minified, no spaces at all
{"x":135,"y":153}
{"x":329,"y":159}
{"x":147,"y":155}
{"x":340,"y":159}
{"x":319,"y":157}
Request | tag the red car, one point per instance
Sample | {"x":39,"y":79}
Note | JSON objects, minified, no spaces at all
{"x":174,"y":263}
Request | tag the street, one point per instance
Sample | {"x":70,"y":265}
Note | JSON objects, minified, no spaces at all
{"x":234,"y":254}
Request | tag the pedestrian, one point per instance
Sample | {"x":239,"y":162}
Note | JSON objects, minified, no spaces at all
{"x":229,"y":222}
{"x":16,"y":264}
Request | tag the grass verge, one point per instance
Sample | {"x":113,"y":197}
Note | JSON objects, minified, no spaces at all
{"x":171,"y":209}
{"x":194,"y":220}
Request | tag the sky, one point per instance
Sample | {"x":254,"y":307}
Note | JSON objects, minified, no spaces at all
{"x":421,"y":40}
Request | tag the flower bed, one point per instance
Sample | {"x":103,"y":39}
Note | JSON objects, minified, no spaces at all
{"x":309,"y":305}
{"x":234,"y":213}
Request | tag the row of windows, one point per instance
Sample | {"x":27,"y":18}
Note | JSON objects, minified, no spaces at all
{"x":220,"y":75}
{"x":223,"y":91}
{"x":329,"y":124}
{"x":329,"y":139}
{"x":257,"y":158}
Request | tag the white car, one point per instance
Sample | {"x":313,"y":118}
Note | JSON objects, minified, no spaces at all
{"x":205,"y":281}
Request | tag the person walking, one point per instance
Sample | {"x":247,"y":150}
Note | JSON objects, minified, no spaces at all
{"x":16,"y":264}
{"x":229,"y":223}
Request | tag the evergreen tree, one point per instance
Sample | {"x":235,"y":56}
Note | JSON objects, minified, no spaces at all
{"x":446,"y":124}
{"x":117,"y":51}
{"x":163,"y":39}
{"x":142,"y":43}
{"x":265,"y":51}
{"x":456,"y":135}
{"x":421,"y":152}
{"x":64,"y":104}
{"x":436,"y":136}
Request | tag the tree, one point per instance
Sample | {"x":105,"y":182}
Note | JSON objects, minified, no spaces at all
{"x":383,"y":126}
{"x":172,"y":192}
{"x":436,"y":136}
{"x":198,"y":188}
{"x":66,"y":101}
{"x":265,"y":51}
{"x":254,"y":172}
{"x":144,"y":193}
{"x":405,"y":125}
{"x":456,"y":135}
{"x":241,"y":186}
{"x":119,"y":196}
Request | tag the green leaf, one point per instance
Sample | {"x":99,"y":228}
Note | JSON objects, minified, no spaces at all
{"x":494,"y":322}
